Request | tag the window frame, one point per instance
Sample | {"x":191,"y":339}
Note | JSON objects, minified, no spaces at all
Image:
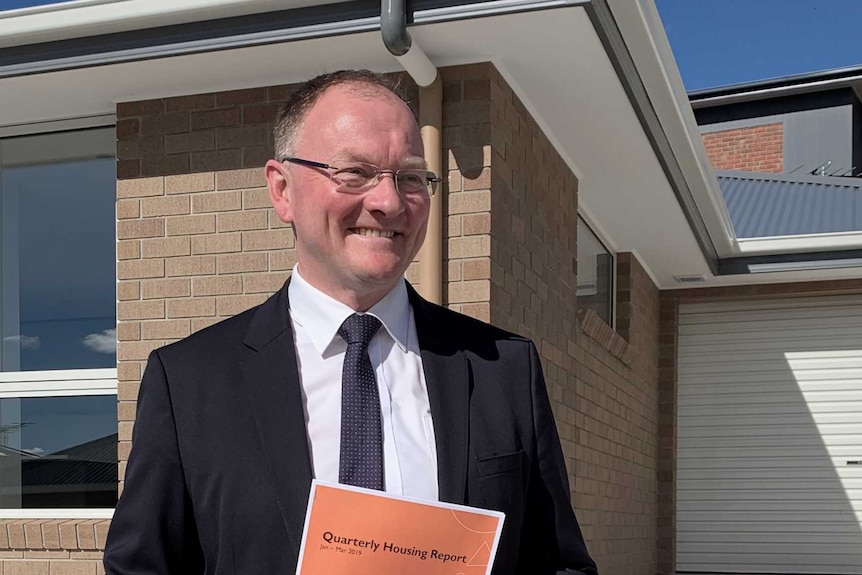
{"x":64,"y":382}
{"x":589,"y":222}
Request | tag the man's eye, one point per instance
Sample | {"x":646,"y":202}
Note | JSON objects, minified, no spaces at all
{"x":413,"y":179}
{"x":355,"y":172}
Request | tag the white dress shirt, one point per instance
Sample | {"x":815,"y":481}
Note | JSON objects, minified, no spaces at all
{"x":409,"y":449}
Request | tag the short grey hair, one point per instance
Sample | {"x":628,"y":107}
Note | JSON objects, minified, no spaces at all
{"x":292,"y":112}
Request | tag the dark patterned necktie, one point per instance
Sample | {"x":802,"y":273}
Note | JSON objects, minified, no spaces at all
{"x":361,"y":457}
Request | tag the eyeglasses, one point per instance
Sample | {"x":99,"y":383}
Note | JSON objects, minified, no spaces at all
{"x":358,"y":177}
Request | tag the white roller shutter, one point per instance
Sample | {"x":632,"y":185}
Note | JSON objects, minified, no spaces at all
{"x":770,"y":430}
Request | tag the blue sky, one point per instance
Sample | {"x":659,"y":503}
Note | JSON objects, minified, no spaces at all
{"x":14,"y":4}
{"x":722,"y":42}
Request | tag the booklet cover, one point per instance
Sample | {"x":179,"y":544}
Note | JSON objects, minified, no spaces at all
{"x":354,"y":531}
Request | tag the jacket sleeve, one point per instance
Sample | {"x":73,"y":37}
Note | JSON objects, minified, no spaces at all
{"x":153,"y":530}
{"x":551,"y":539}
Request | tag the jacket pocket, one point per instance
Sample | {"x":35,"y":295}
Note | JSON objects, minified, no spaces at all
{"x":500,"y":463}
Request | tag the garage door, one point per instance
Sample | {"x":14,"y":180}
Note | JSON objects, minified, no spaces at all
{"x":770,"y":437}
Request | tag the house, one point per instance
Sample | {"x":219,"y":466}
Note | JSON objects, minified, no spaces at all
{"x":769,"y":377}
{"x":580,"y":209}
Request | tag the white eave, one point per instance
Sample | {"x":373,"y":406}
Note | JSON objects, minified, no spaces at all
{"x":64,"y":20}
{"x":597,"y":75}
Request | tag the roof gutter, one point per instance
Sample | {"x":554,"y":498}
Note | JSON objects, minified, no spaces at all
{"x":706,"y":101}
{"x":396,"y":38}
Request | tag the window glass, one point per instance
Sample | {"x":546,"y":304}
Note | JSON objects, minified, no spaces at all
{"x":57,"y":262}
{"x":595,"y":274}
{"x":58,"y":452}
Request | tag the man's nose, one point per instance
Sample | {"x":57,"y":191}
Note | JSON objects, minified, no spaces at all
{"x":384,"y":196}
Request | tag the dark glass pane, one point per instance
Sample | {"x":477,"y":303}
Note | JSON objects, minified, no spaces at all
{"x":58,"y":266}
{"x":58,"y":452}
{"x":595,"y":274}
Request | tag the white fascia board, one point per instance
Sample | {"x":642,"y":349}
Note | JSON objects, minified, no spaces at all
{"x":800,"y":243}
{"x":91,"y":17}
{"x":650,"y":50}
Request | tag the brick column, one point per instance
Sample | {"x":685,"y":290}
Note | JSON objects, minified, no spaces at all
{"x":666,"y":521}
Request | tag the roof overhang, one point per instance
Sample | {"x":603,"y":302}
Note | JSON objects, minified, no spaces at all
{"x":598,"y":76}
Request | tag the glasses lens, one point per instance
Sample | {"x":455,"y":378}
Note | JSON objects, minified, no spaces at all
{"x":354,"y":176}
{"x":412,"y":181}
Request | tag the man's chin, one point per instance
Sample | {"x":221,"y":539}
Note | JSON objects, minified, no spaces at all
{"x":379,"y":276}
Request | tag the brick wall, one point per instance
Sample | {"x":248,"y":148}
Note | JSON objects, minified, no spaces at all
{"x":52,"y":547}
{"x":467,"y":159}
{"x":603,"y":384}
{"x":753,"y":149}
{"x":192,"y":249}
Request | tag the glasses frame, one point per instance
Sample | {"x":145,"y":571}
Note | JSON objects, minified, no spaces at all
{"x":431,"y":183}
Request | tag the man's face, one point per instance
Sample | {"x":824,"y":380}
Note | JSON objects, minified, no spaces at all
{"x":353,"y":247}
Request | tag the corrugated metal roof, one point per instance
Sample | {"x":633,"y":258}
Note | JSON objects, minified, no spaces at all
{"x":833,"y":77}
{"x":767,"y":205}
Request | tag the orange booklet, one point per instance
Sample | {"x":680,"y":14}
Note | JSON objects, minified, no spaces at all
{"x":353,"y":531}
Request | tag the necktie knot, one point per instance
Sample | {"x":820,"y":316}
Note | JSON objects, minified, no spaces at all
{"x":359,"y":328}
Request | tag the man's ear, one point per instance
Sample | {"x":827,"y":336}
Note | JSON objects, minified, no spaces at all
{"x":279,"y":185}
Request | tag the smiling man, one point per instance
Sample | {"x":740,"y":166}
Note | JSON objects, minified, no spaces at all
{"x":344,"y":375}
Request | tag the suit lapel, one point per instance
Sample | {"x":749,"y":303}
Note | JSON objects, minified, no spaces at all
{"x":272,"y":377}
{"x":448,"y":378}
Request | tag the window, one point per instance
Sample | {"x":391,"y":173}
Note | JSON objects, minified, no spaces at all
{"x":596,"y":274}
{"x":58,"y":379}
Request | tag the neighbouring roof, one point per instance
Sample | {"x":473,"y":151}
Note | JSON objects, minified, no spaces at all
{"x":820,"y":80}
{"x":769,"y":205}
{"x":94,"y":462}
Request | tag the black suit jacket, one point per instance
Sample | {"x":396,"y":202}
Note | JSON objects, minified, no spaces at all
{"x":219,"y":475}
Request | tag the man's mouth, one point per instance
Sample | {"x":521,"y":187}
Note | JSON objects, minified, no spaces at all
{"x":373,"y":233}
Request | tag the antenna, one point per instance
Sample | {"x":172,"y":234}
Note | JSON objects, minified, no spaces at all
{"x":821,"y":169}
{"x":797,"y":168}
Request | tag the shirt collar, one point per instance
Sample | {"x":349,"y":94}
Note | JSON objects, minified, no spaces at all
{"x":321,"y":316}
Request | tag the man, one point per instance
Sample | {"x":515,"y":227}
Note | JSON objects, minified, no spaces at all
{"x":345,"y":374}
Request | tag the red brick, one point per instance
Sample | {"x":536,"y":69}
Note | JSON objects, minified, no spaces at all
{"x":216,"y":160}
{"x":193,"y":102}
{"x":142,"y":108}
{"x":256,"y":156}
{"x":140,"y":147}
{"x":127,"y":128}
{"x":240,"y":137}
{"x":278,"y":94}
{"x":165,"y":165}
{"x":190,"y":142}
{"x":173,"y":123}
{"x":215,"y":119}
{"x":247,"y":96}
{"x":259,"y":113}
{"x":127,"y":169}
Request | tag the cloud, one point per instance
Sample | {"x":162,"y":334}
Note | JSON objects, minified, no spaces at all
{"x":105,"y":342}
{"x":27,"y":342}
{"x":35,"y":451}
